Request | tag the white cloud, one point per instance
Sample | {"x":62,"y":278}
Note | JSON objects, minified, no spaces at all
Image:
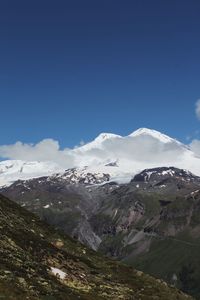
{"x":197,"y":109}
{"x":122,"y":148}
{"x":82,"y":143}
{"x":132,"y":153}
{"x":46,"y":150}
{"x":195,"y":143}
{"x":195,"y":147}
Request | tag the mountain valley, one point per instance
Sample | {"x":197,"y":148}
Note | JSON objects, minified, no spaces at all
{"x":128,"y":222}
{"x":39,"y":262}
{"x":148,"y":219}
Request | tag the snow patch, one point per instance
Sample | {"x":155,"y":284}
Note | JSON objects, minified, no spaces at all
{"x":59,"y":273}
{"x":46,"y":206}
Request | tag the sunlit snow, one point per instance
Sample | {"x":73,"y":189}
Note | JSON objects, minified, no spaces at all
{"x":142,"y":149}
{"x":58,"y":272}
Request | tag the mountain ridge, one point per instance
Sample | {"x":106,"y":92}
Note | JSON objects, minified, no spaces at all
{"x":158,"y":206}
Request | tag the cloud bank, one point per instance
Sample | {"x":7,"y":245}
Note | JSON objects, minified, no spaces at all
{"x":132,"y":153}
{"x":46,"y":150}
{"x":195,"y":143}
{"x":128,"y":150}
{"x":195,"y":147}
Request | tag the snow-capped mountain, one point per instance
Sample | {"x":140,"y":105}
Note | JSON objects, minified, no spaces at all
{"x":165,"y":174}
{"x":119,"y":157}
{"x":98,"y":141}
{"x":80,"y":176}
{"x":153,"y":133}
{"x":160,"y":203}
{"x":12,"y":170}
{"x":122,"y":157}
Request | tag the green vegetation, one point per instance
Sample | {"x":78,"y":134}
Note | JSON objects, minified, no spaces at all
{"x":171,"y":257}
{"x":29,"y":248}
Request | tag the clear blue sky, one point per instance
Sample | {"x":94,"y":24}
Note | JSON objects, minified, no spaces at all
{"x":72,"y":69}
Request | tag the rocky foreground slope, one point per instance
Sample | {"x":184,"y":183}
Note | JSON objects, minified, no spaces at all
{"x":152,"y":221}
{"x":38,"y":262}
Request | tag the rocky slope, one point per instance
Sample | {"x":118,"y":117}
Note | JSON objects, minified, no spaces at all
{"x":55,"y":200}
{"x":109,"y":206}
{"x":38,"y":262}
{"x":128,"y":221}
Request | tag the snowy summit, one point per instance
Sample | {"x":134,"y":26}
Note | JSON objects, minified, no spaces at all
{"x":117,"y":156}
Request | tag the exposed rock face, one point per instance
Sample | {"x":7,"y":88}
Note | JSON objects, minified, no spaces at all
{"x":81,"y":176}
{"x":127,"y":221}
{"x":92,"y":212}
{"x":66,"y":206}
{"x":38,"y":262}
{"x":158,"y":174}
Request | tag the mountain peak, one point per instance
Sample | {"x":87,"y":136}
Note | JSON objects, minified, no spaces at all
{"x":104,"y":136}
{"x":98,"y":141}
{"x":154,"y":133}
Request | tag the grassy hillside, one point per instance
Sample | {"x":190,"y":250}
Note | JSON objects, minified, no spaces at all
{"x":175,"y":260}
{"x":29,"y":249}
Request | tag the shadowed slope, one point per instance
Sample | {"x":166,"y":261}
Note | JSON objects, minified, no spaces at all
{"x":30,"y":249}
